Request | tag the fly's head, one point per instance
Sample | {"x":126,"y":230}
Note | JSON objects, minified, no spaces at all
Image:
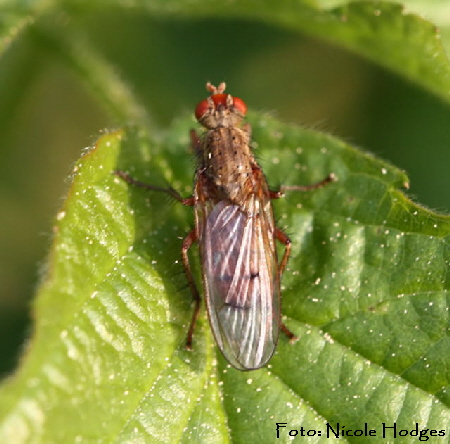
{"x":220,"y":110}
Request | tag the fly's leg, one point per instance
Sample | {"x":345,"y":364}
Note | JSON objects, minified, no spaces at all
{"x":277,"y":194}
{"x":187,"y":243}
{"x":279,"y":234}
{"x":196,"y":143}
{"x":170,"y":191}
{"x":292,"y":338}
{"x":284,"y":238}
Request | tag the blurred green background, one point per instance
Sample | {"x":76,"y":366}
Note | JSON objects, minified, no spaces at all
{"x":49,"y":112}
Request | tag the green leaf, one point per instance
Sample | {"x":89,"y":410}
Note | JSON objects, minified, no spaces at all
{"x":365,"y":290}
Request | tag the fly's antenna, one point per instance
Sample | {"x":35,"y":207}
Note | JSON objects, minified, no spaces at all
{"x":216,"y":90}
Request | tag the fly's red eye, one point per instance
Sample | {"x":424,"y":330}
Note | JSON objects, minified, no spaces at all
{"x":240,"y":105}
{"x":201,"y":109}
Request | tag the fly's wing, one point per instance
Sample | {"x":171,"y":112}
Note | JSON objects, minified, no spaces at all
{"x":241,"y":281}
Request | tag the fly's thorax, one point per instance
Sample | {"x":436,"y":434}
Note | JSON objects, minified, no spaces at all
{"x":227,"y":161}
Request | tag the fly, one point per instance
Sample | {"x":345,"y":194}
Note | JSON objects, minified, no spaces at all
{"x":236,"y":233}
